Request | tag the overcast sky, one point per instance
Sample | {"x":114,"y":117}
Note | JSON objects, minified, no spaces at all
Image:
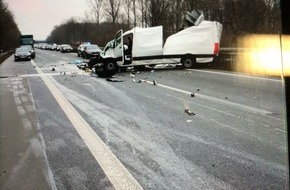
{"x":38,"y":17}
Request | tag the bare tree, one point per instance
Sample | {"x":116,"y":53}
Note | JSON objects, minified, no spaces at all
{"x":95,"y":8}
{"x":112,"y":8}
{"x":127,"y":8}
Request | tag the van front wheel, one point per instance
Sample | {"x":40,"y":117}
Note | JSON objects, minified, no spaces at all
{"x":106,"y":69}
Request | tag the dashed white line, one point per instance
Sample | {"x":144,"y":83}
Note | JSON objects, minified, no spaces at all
{"x":216,"y":100}
{"x":112,"y":167}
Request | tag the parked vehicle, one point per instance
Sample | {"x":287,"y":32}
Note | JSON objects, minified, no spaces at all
{"x":143,"y":46}
{"x":81,"y":49}
{"x":28,"y":41}
{"x":91,"y":51}
{"x":58,"y":47}
{"x":54,"y":46}
{"x":22,"y":53}
{"x":65,"y":48}
{"x":30,"y":49}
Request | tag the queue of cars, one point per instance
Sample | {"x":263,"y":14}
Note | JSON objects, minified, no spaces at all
{"x":84,"y":50}
{"x":62,"y":48}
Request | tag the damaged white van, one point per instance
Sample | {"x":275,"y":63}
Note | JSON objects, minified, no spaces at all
{"x":144,"y":46}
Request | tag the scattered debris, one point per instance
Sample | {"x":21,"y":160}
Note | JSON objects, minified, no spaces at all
{"x":188,"y":121}
{"x":132,"y":75}
{"x":152,"y":71}
{"x":154,"y":82}
{"x":133,"y":80}
{"x":189,"y":112}
{"x":53,"y":69}
{"x":77,"y":62}
{"x":114,"y":80}
{"x":62,"y":73}
{"x":192,"y":95}
{"x":198,"y":89}
{"x":138,"y":72}
{"x":226,"y":98}
{"x":139,"y":81}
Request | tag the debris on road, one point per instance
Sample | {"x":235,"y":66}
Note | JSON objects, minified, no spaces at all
{"x":154,"y":82}
{"x":53,"y":69}
{"x":192,"y":95}
{"x":114,"y":80}
{"x":76,"y":62}
{"x":188,"y":121}
{"x":132,"y":75}
{"x":198,"y":89}
{"x":189,"y":112}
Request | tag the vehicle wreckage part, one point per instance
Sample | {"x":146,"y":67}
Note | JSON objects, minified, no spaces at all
{"x":189,"y":112}
{"x":106,"y":69}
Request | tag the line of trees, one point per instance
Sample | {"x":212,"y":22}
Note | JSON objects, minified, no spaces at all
{"x":9,"y":32}
{"x":105,"y":17}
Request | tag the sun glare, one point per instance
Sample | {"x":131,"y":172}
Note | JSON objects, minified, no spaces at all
{"x":264,"y":55}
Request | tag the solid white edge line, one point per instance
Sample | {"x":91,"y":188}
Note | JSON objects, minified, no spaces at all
{"x":116,"y":172}
{"x":235,"y":75}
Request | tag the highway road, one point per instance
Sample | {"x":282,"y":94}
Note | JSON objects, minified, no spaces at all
{"x":64,"y":128}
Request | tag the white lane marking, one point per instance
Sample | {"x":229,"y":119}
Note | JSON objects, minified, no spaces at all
{"x":113,"y":168}
{"x":223,"y":112}
{"x":280,"y":130}
{"x":54,"y":74}
{"x":216,"y":100}
{"x":48,"y":177}
{"x":235,"y":75}
{"x":17,"y":100}
{"x":87,"y":84}
{"x":21,"y":110}
{"x":26,"y":124}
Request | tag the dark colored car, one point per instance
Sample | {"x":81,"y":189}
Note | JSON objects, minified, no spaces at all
{"x":81,"y":49}
{"x":31,"y":50}
{"x":22,"y":53}
{"x":65,"y":48}
{"x":91,"y":51}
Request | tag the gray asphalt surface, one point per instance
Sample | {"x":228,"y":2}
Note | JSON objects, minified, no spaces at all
{"x":235,"y":140}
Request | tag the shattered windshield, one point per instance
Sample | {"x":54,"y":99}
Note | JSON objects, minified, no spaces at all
{"x":186,"y":94}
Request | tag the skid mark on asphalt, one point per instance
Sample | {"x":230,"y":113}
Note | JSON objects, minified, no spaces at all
{"x":113,"y":168}
{"x":140,"y":143}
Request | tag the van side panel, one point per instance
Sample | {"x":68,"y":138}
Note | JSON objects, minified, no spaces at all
{"x":194,"y":40}
{"x":147,"y":41}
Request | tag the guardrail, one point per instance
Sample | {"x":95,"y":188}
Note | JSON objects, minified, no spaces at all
{"x":5,"y":55}
{"x":227,"y":58}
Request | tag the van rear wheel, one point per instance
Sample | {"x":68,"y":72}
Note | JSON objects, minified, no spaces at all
{"x":188,"y":61}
